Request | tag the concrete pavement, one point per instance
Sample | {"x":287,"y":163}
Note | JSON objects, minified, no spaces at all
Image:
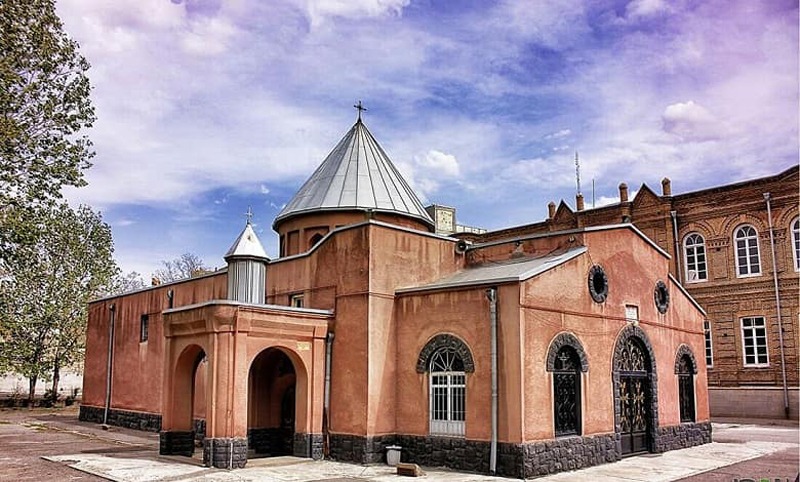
{"x":741,"y":449}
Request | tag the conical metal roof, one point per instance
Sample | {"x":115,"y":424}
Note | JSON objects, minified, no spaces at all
{"x":357,"y":174}
{"x":247,"y":245}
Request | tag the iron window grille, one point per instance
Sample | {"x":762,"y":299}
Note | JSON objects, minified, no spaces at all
{"x":686,"y":388}
{"x":694,"y":249}
{"x":567,"y":392}
{"x":447,"y":394}
{"x":748,"y":259}
{"x":754,"y":341}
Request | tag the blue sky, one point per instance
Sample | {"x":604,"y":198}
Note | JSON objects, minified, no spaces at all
{"x":206,"y":107}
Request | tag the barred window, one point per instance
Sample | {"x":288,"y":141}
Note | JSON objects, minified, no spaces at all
{"x":447,"y":393}
{"x":754,"y":341}
{"x":709,"y":351}
{"x":686,"y":388}
{"x":694,"y":247}
{"x":567,"y":392}
{"x":748,"y":260}
{"x":144,"y":328}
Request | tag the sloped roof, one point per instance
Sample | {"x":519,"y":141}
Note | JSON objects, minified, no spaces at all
{"x":513,"y":270}
{"x":247,"y":245}
{"x":357,"y":174}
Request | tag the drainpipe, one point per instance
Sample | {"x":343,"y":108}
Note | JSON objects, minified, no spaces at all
{"x":491,"y":294}
{"x":678,"y":273}
{"x":112,"y":309}
{"x":326,"y":401}
{"x":777,"y":305}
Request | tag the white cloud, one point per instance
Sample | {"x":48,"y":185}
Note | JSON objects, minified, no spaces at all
{"x":439,"y":163}
{"x":264,"y":189}
{"x":690,"y":121}
{"x":319,"y":10}
{"x":645,"y":8}
{"x":558,"y":134}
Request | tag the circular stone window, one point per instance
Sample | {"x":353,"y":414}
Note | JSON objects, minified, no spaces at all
{"x":598,"y":284}
{"x":661,"y":297}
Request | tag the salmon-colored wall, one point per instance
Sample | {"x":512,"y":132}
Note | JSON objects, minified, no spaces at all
{"x":138,"y":366}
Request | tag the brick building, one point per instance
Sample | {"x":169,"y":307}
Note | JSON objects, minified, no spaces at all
{"x":724,"y":238}
{"x":524,"y":355}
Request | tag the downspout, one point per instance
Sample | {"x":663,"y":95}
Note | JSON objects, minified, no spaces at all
{"x":678,"y":273}
{"x":326,"y":401}
{"x":491,"y":294}
{"x":777,"y":305}
{"x":109,"y":365}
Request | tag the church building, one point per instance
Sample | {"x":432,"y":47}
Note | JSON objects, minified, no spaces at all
{"x":520,"y":356}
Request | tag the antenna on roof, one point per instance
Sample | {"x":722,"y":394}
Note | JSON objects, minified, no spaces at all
{"x":360,"y":108}
{"x":578,"y":172}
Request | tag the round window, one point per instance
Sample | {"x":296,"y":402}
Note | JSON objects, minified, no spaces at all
{"x":661,"y":297}
{"x":598,"y":284}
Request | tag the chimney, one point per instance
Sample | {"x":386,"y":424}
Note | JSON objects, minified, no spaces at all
{"x":579,"y":201}
{"x":666,"y":187}
{"x":551,"y":210}
{"x":155,"y":281}
{"x":623,"y":192}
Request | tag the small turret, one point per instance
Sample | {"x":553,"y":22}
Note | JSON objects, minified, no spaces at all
{"x":247,"y":267}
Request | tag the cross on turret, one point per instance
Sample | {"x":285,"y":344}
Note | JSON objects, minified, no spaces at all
{"x":360,"y":108}
{"x":249,"y":215}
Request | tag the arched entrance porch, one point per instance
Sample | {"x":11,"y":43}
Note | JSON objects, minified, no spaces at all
{"x":273,"y":403}
{"x":186,"y":394}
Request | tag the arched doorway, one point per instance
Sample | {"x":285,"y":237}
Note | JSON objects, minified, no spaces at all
{"x":187,"y":403}
{"x":271,"y":404}
{"x":635,"y":385}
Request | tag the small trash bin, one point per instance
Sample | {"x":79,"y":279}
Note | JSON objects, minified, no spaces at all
{"x":393,"y":455}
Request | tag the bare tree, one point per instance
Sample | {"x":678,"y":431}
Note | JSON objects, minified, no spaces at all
{"x":185,"y":266}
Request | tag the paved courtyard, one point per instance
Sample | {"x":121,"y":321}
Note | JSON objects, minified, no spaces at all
{"x":42,"y":444}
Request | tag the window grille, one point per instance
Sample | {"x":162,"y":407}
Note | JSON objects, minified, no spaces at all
{"x":695,"y":256}
{"x":567,"y":392}
{"x":447,"y":394}
{"x":686,"y":388}
{"x":144,"y":328}
{"x":748,"y":260}
{"x":754,"y":341}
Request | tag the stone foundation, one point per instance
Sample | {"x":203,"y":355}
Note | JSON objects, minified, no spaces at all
{"x":308,"y":445}
{"x":148,"y":422}
{"x":361,"y":450}
{"x":225,"y":453}
{"x":176,"y":443}
{"x":683,"y":436}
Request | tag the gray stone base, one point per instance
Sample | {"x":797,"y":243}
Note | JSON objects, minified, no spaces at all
{"x":225,"y":453}
{"x":361,"y":450}
{"x":683,"y":436}
{"x":308,"y":445}
{"x":176,"y":443}
{"x":149,"y":422}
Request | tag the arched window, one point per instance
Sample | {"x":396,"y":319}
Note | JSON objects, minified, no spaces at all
{"x":694,"y":250}
{"x":447,"y":393}
{"x":686,"y":388}
{"x":748,"y":261}
{"x":796,"y":243}
{"x":567,"y":392}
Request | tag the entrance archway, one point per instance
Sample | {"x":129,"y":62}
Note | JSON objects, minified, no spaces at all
{"x":187,"y":402}
{"x":635,"y":399}
{"x":271,"y":404}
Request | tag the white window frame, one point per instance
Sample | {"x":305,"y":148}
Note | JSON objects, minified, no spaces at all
{"x":749,"y":333}
{"x":795,"y":228}
{"x":693,"y":275}
{"x":452,"y":382}
{"x":748,"y":240}
{"x":709,"y":344}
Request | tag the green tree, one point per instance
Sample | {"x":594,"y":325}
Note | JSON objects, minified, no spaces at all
{"x":44,"y":295}
{"x":44,"y":105}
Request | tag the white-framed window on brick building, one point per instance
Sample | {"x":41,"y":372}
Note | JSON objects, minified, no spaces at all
{"x":748,"y":259}
{"x":709,"y":344}
{"x":796,"y":243}
{"x":754,"y":341}
{"x":448,"y":393}
{"x":694,"y":251}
